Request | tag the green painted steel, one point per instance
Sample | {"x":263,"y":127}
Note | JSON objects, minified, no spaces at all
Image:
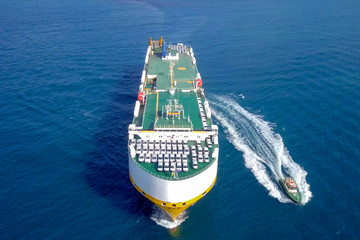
{"x":174,"y":83}
{"x":189,"y":102}
{"x":184,"y":72}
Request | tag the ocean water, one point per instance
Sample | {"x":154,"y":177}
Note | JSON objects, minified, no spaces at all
{"x":283,"y":80}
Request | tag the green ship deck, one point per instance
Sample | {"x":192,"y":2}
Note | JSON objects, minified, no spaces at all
{"x":173,"y":104}
{"x":178,"y":75}
{"x":184,"y":72}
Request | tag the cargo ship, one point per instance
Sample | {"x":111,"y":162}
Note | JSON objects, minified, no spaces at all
{"x":173,"y":143}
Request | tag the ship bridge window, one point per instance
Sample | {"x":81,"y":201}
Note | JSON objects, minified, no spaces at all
{"x":163,"y":204}
{"x":174,"y":205}
{"x":184,"y":204}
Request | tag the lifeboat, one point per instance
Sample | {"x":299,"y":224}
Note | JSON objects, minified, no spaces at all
{"x":141,"y":96}
{"x":198,"y":82}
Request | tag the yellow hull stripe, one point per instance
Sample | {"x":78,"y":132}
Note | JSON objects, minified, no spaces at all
{"x":173,"y":209}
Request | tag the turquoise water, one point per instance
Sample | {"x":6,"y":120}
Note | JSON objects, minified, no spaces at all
{"x":283,"y":79}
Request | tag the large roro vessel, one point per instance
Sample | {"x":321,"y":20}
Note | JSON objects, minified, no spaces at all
{"x":173,"y":143}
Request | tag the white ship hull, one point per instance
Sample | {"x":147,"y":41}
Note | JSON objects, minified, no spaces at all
{"x":173,"y":191}
{"x":173,"y":196}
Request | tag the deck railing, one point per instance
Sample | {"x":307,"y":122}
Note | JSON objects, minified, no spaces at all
{"x":188,"y":175}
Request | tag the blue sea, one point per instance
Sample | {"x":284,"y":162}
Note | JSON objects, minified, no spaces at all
{"x":283,"y":81}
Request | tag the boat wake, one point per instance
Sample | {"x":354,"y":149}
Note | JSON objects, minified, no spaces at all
{"x":162,"y":219}
{"x":263,"y":150}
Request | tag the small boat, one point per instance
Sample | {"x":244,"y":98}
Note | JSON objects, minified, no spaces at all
{"x":290,"y":189}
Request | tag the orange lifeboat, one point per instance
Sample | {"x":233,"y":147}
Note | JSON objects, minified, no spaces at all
{"x":198,"y":82}
{"x":141,"y":96}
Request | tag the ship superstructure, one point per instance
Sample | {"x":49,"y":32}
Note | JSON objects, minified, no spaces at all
{"x":173,"y":143}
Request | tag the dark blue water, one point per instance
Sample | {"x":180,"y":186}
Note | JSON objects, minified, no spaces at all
{"x":289,"y":72}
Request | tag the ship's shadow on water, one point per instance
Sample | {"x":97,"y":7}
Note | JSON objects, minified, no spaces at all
{"x":107,"y":169}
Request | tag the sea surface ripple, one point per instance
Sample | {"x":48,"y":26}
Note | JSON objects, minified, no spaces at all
{"x":282,"y":77}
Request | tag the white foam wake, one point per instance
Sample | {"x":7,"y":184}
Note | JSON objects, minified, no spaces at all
{"x":263,"y":150}
{"x":162,"y":219}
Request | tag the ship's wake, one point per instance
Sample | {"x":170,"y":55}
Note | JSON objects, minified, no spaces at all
{"x":263,"y":150}
{"x":162,"y":219}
